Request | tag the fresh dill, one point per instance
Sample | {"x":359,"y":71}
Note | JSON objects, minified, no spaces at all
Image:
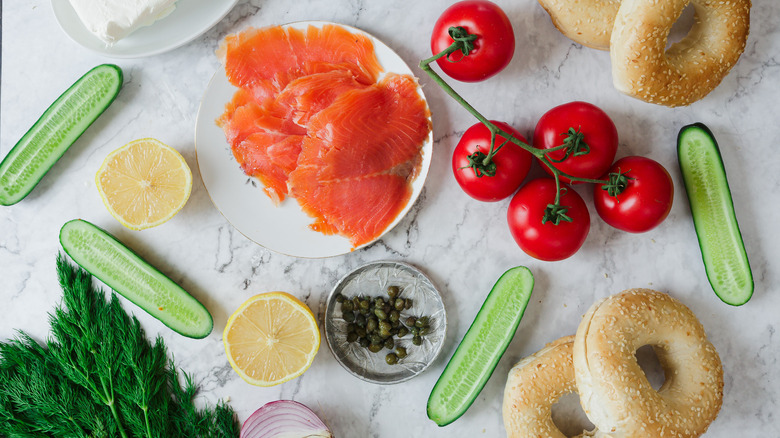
{"x":99,"y":376}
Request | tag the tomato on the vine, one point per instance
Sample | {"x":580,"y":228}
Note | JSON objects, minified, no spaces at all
{"x":505,"y":172}
{"x":492,"y":49}
{"x":588,"y":131}
{"x":546,"y":240}
{"x":645,"y":197}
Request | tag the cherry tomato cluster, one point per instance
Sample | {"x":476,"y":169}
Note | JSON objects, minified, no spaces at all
{"x":633,"y":194}
{"x":575,"y":143}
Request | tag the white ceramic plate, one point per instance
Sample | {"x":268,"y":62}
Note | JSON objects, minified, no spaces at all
{"x":284,"y":229}
{"x":189,"y":20}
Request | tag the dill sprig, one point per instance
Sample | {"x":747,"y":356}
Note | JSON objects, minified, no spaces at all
{"x":99,"y":376}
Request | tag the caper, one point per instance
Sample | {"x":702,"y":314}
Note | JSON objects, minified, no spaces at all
{"x":372,"y":324}
{"x":376,"y":322}
{"x":393,"y":291}
{"x":391,"y":359}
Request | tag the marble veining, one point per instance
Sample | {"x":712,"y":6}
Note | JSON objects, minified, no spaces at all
{"x":461,"y":244}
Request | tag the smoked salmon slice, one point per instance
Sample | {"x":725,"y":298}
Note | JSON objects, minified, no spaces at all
{"x":281,"y":54}
{"x":316,"y":118}
{"x":270,"y":158}
{"x":368,"y":145}
{"x":308,"y":95}
{"x":373,"y":130}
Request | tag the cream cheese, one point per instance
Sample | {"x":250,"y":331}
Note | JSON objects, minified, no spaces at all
{"x":112,"y":20}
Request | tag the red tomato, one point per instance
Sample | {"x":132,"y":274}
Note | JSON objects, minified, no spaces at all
{"x":512,"y":163}
{"x":547,"y":241}
{"x":493,"y":48}
{"x":598,"y":132}
{"x":646,"y":200}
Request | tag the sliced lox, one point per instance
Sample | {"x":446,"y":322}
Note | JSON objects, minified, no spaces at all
{"x":379,"y":129}
{"x":312,"y":120}
{"x":265,"y":146}
{"x":270,"y":158}
{"x":306,"y":96}
{"x":359,"y":157}
{"x":251,"y":118}
{"x":281,"y":54}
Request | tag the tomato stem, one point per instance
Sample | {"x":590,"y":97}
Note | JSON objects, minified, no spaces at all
{"x":481,"y":163}
{"x":574,"y":145}
{"x":463,"y":39}
{"x":554,"y":212}
{"x":617,"y":184}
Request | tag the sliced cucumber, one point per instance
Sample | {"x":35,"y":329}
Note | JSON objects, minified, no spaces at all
{"x":131,"y":276}
{"x":483,"y":345}
{"x":722,"y":249}
{"x":58,"y":128}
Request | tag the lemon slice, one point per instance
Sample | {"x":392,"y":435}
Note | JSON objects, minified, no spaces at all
{"x":271,"y":338}
{"x":144,"y":183}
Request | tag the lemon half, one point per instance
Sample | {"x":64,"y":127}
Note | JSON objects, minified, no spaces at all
{"x":272,"y":338}
{"x":144,"y":183}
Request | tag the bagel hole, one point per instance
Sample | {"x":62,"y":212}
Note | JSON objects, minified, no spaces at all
{"x":648,"y":361}
{"x":568,"y":416}
{"x":682,"y":26}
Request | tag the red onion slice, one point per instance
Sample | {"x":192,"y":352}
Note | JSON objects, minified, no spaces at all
{"x":284,"y":419}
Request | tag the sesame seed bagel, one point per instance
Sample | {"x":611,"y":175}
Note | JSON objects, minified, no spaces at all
{"x":691,"y":68}
{"x":614,"y":391}
{"x":588,"y":22}
{"x":534,"y":385}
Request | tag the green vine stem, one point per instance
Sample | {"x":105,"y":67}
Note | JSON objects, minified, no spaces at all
{"x":573,"y":145}
{"x":618,"y":181}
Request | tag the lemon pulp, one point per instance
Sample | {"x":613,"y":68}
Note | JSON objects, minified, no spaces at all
{"x":144,"y":183}
{"x":271,"y":339}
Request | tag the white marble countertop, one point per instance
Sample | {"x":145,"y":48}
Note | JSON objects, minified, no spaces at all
{"x":463,"y":245}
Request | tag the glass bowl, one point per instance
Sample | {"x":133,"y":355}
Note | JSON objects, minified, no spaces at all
{"x":372,"y":280}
